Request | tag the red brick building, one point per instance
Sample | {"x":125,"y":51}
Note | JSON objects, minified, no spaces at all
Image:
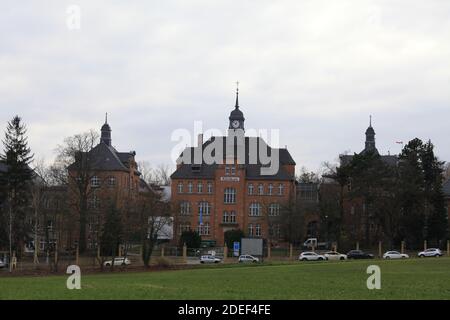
{"x":232,"y":192}
{"x":112,"y":177}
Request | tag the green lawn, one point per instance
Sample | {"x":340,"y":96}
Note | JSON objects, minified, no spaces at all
{"x":411,"y":279}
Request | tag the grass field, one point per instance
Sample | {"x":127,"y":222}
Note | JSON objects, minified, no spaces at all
{"x":411,"y":279}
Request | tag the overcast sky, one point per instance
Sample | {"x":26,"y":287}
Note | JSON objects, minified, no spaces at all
{"x":314,"y":69}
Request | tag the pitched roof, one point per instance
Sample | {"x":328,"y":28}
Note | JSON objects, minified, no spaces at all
{"x":3,"y":167}
{"x":106,"y":158}
{"x":387,"y":159}
{"x":446,"y":188}
{"x":253,"y":163}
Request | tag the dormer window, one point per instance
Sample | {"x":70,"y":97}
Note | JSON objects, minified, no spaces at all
{"x":195,"y":168}
{"x":111,"y":181}
{"x":95,"y":182}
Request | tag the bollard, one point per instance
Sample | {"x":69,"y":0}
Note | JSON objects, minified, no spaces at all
{"x":357,"y":245}
{"x":184,"y":253}
{"x":448,"y":248}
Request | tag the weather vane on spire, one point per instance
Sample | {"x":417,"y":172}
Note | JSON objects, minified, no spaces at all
{"x":106,"y":117}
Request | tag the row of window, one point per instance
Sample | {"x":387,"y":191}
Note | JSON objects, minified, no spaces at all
{"x":111,"y":181}
{"x":260,"y":190}
{"x":253,"y":229}
{"x":204,"y":208}
{"x":270,"y":189}
{"x":190,"y":187}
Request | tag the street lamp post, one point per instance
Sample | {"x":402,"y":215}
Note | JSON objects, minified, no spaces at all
{"x":10,"y":233}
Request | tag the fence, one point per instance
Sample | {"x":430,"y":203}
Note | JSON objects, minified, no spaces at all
{"x":175,"y":255}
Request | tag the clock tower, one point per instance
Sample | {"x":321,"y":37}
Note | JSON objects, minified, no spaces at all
{"x":236,"y":116}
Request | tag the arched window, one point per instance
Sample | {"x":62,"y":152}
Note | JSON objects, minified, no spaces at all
{"x":180,"y":187}
{"x":185,"y":208}
{"x":204,"y":208}
{"x":260,"y":189}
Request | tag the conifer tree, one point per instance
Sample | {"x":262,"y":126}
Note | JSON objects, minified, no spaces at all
{"x":16,"y":182}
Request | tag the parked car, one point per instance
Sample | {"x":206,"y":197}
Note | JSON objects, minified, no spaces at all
{"x":395,"y":255}
{"x":432,"y":252}
{"x":333,"y":255}
{"x":311,"y":256}
{"x":248,"y":258}
{"x":210,"y":259}
{"x":359,"y":254}
{"x":119,"y":261}
{"x":2,"y":264}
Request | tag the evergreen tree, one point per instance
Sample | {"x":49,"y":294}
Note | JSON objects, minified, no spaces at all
{"x":111,"y":237}
{"x":16,"y":182}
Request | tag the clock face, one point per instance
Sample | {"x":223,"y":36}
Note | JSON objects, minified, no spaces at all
{"x":235,"y":124}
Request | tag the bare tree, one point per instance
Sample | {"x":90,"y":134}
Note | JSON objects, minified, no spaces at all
{"x":163,"y":174}
{"x":74,"y":152}
{"x":154,"y":221}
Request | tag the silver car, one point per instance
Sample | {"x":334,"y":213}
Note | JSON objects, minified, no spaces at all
{"x":117,"y":262}
{"x":2,"y":264}
{"x":247,"y":258}
{"x":209,"y":259}
{"x":432,"y":252}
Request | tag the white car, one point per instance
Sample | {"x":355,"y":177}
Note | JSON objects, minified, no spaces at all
{"x":310,"y":256}
{"x":333,"y":255}
{"x":120,"y":261}
{"x":210,"y":259}
{"x":247,"y":258}
{"x":432,"y":252}
{"x":395,"y":255}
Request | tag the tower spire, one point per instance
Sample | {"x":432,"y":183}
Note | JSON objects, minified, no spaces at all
{"x":237,"y":95}
{"x":370,"y":120}
{"x":106,"y":117}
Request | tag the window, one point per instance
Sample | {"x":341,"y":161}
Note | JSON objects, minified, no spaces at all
{"x":210,"y":188}
{"x":229,"y":195}
{"x":274,"y":209}
{"x":270,"y":189}
{"x":95,"y":182}
{"x":258,"y":230}
{"x":227,"y":170}
{"x":185,"y":208}
{"x":254,"y":230}
{"x":308,"y":192}
{"x":275,"y":231}
{"x":204,"y":208}
{"x":203,"y":229}
{"x":250,"y":188}
{"x":233,"y":170}
{"x":190,"y":187}
{"x":200,"y":187}
{"x":280,"y":189}
{"x":229,"y":217}
{"x":233,"y":216}
{"x":94,"y":202}
{"x":180,"y":187}
{"x":184,"y":227}
{"x":111,"y":181}
{"x":260,"y":189}
{"x":255,"y":209}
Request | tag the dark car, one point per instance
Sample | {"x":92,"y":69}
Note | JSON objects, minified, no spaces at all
{"x":358,"y":254}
